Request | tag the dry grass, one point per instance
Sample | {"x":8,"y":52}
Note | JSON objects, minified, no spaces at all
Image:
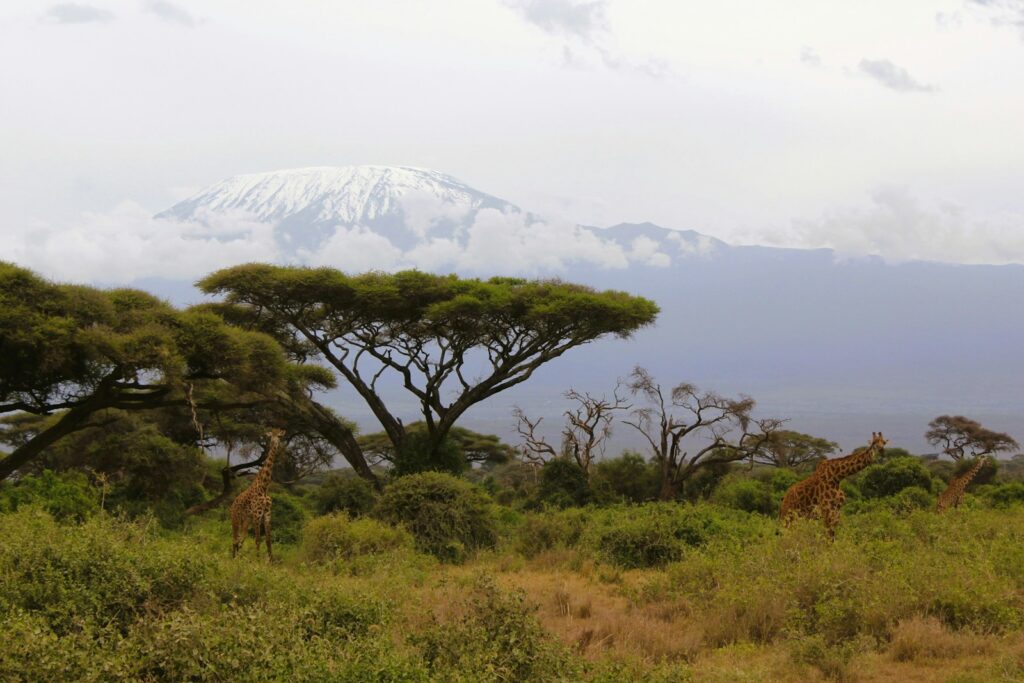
{"x":921,"y":638}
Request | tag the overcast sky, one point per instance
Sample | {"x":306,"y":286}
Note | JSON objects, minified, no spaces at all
{"x":895,"y":127}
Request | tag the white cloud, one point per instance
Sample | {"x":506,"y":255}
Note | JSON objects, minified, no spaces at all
{"x":171,"y":13}
{"x":892,"y":76}
{"x":648,"y":252}
{"x":355,"y":249}
{"x":77,"y":13}
{"x":424,"y":210}
{"x":127,"y":243}
{"x":898,"y":227}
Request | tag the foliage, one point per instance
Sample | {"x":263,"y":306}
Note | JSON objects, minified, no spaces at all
{"x":749,"y":495}
{"x":345,"y":493}
{"x":461,"y":447}
{"x":448,"y":517}
{"x":336,"y":536}
{"x":625,"y":479}
{"x":891,"y":477}
{"x":498,"y":638}
{"x":287,"y":516}
{"x":786,"y":448}
{"x":551,"y":529}
{"x":563,"y":483}
{"x":959,"y":437}
{"x":1004,"y":495}
{"x":65,"y":496}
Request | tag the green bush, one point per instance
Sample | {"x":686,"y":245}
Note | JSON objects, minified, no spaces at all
{"x":550,"y":529}
{"x":1003,"y":495}
{"x":749,"y":495}
{"x":498,"y":638}
{"x":447,"y":516}
{"x":563,"y":484}
{"x":652,"y":535}
{"x":416,"y":456}
{"x":336,"y":536}
{"x":626,"y":479}
{"x":891,"y":477}
{"x":287,"y":518}
{"x":345,"y":493}
{"x":66,"y":496}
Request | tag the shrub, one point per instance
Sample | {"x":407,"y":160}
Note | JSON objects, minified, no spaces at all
{"x":653,"y":534}
{"x":626,"y":479}
{"x":345,"y":493}
{"x":889,"y":478}
{"x":563,"y":483}
{"x":418,"y":456}
{"x":497,"y":638}
{"x":447,"y":516}
{"x":287,"y":518}
{"x":336,"y":536}
{"x":746,"y":494}
{"x":547,"y":530}
{"x":65,"y":496}
{"x":1004,"y":495}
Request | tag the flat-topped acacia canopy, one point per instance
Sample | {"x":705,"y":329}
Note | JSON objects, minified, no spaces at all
{"x":430,"y":330}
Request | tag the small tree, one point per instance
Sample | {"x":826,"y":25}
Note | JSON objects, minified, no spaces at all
{"x":727,"y":431}
{"x":787,"y":448}
{"x":588,"y":425}
{"x":959,"y":437}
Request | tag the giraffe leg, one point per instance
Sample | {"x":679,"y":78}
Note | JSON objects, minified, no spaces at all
{"x":243,"y":531}
{"x":257,"y":529}
{"x":830,"y":515}
{"x":266,"y":532}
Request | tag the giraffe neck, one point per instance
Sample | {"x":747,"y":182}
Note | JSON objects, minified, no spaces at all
{"x":967,"y":476}
{"x":262,"y":480}
{"x":840,"y":468}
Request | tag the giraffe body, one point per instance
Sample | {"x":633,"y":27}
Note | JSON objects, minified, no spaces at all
{"x":252,"y":506}
{"x":954,"y":493}
{"x":819,"y":495}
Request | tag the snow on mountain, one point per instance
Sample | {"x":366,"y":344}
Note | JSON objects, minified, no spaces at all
{"x":401,"y":203}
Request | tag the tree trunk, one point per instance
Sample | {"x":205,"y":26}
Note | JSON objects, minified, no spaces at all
{"x":337,"y":433}
{"x":669,"y":488}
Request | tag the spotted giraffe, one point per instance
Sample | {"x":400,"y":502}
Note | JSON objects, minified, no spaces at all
{"x":252,"y":506}
{"x":954,"y":493}
{"x":820,"y":495}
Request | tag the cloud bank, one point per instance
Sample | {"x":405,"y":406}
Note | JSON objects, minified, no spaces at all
{"x":76,"y":13}
{"x":892,"y":76}
{"x":897,"y":226}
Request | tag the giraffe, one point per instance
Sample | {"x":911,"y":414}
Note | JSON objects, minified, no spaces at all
{"x":954,"y":493}
{"x":252,"y":506}
{"x":819,"y":494}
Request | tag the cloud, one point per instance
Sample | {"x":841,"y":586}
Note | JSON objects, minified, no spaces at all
{"x":126,"y":244}
{"x":170,"y":13}
{"x":356,"y":249}
{"x":424,"y":211}
{"x":1003,"y":12}
{"x":583,"y":20}
{"x":898,"y":227}
{"x":648,"y":252}
{"x":75,"y":13}
{"x":891,"y":76}
{"x":809,"y":56}
{"x":583,"y":26}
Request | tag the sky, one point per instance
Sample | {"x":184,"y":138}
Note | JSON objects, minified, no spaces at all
{"x":869,"y":127}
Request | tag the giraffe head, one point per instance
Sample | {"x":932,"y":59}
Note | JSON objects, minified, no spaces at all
{"x":878,"y":442}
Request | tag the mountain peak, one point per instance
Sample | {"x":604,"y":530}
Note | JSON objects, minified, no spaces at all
{"x":313,"y":201}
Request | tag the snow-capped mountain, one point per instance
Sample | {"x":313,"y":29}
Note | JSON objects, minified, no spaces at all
{"x":309,"y":204}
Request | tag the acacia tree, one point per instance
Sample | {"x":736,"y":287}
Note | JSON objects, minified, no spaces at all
{"x":73,"y":354}
{"x":723,"y":427}
{"x":959,"y":437}
{"x":786,"y":448}
{"x":76,"y":351}
{"x":588,"y":425}
{"x":449,"y":342}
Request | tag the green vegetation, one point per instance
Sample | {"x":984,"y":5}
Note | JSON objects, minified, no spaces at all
{"x":444,"y":554}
